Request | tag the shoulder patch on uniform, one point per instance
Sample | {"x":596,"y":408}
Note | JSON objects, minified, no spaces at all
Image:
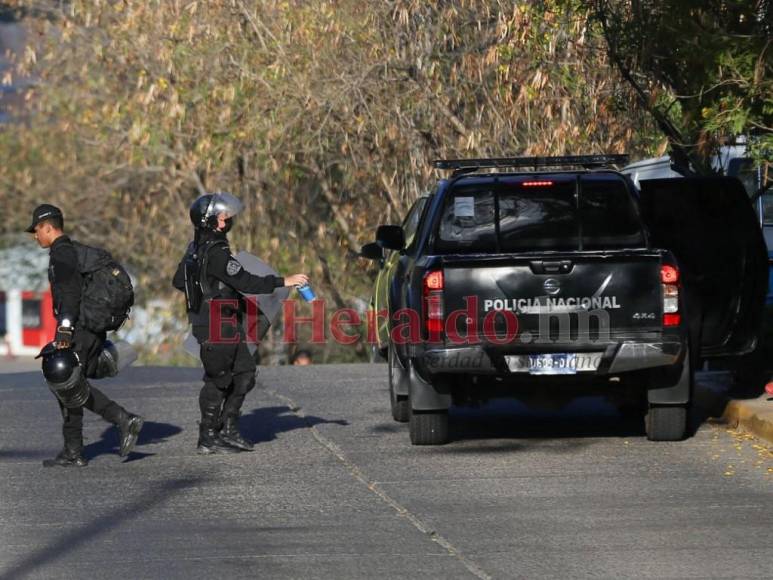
{"x":233,"y":267}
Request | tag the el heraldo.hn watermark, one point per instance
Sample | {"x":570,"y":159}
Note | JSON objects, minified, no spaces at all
{"x":467,"y":326}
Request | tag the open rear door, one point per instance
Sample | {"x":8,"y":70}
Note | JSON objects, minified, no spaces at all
{"x":711,"y":227}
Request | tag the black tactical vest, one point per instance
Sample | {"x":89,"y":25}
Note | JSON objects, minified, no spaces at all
{"x":198,"y":290}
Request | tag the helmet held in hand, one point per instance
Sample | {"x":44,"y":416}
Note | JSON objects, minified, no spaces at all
{"x":64,"y":376}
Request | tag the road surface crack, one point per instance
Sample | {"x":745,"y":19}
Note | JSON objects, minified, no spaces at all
{"x":374,"y":488}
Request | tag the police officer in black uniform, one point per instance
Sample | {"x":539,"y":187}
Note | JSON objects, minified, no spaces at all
{"x":76,"y":354}
{"x":209,"y":273}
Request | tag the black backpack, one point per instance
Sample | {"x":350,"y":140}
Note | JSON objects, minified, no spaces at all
{"x":107,"y":295}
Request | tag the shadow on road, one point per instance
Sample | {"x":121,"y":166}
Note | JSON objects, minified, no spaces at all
{"x":107,"y":444}
{"x":15,"y":454}
{"x":583,"y":418}
{"x":512,"y":420}
{"x":573,"y":426}
{"x":79,"y":536}
{"x":473,"y":424}
{"x":151,"y":433}
{"x":264,"y":424}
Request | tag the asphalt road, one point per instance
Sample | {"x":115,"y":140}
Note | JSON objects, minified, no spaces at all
{"x":334,"y":490}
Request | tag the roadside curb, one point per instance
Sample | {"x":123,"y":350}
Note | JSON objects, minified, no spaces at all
{"x":753,"y":415}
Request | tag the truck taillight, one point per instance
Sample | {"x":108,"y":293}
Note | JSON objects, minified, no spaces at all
{"x":433,"y":280}
{"x":672,"y":319}
{"x":433,"y":304}
{"x":669,"y":276}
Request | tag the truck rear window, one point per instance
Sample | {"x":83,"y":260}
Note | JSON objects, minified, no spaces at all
{"x":547,"y":215}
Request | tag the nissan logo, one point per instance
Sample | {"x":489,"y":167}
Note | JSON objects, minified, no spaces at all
{"x":551,"y":286}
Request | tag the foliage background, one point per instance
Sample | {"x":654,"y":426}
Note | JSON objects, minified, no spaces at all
{"x":322,"y":116}
{"x":702,"y":68}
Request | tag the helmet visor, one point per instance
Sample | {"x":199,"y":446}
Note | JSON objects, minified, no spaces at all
{"x":225,"y":203}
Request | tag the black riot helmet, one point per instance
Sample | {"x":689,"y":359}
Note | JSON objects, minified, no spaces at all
{"x":206,"y":209}
{"x":58,"y":364}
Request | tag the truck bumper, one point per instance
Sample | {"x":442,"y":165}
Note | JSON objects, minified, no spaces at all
{"x":431,"y":368}
{"x":608,"y":359}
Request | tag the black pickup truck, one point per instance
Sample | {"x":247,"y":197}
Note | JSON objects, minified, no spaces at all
{"x":562,"y":280}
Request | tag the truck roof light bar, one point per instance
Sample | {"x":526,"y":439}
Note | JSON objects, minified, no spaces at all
{"x":586,"y":161}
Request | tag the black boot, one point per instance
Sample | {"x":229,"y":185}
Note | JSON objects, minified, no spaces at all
{"x":209,"y":434}
{"x":70,"y":456}
{"x":129,"y":426}
{"x":230,"y":434}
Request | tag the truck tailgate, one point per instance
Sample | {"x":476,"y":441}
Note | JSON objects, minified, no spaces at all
{"x":563,"y":296}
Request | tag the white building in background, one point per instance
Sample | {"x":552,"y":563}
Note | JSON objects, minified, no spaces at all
{"x":731,"y":161}
{"x":26,"y":318}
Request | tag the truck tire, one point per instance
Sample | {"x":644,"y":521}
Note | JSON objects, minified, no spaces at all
{"x":429,"y":427}
{"x":666,"y":422}
{"x":401,"y":407}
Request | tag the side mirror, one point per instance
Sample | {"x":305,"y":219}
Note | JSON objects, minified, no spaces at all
{"x":372,"y":251}
{"x":390,"y":237}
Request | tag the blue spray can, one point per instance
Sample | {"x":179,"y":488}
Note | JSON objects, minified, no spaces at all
{"x":306,"y":293}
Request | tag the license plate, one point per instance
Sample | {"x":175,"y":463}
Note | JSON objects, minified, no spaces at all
{"x":553,"y":364}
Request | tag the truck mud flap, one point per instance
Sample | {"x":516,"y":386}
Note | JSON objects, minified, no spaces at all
{"x":401,"y":377}
{"x":426,"y":396}
{"x":678,"y":393}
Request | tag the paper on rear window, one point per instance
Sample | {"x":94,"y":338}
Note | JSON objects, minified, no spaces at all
{"x":540,"y":218}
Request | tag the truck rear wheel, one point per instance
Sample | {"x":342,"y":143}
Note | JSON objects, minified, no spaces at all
{"x":401,"y":407}
{"x":666,"y":422}
{"x":429,"y":427}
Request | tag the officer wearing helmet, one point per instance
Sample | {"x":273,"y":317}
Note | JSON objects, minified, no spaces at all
{"x":214,"y":281}
{"x":76,"y":353}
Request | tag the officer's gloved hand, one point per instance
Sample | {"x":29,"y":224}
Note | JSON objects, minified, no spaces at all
{"x":63,"y":337}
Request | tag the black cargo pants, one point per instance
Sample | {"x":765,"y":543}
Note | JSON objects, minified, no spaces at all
{"x":87,"y":346}
{"x":229,"y":374}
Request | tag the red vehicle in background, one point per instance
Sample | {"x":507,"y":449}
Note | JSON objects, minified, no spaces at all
{"x":26,"y":322}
